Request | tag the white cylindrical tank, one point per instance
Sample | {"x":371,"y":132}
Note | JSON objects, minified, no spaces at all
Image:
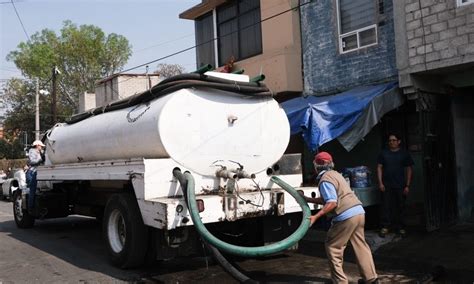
{"x":198,"y":128}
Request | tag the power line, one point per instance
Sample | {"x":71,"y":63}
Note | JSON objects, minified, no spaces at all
{"x":21,"y":22}
{"x":197,"y":45}
{"x":216,"y":38}
{"x":186,"y":36}
{"x":163,"y":43}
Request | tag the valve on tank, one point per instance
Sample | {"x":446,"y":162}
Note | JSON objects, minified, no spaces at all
{"x":237,"y":173}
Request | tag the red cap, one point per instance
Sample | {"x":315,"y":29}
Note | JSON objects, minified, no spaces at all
{"x":322,"y":158}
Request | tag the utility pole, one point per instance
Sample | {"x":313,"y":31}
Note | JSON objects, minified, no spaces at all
{"x":37,"y":120}
{"x":53,"y":98}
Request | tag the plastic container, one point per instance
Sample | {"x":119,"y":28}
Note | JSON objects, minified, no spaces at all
{"x":359,"y":176}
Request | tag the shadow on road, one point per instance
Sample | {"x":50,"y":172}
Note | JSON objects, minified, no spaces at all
{"x":77,"y":241}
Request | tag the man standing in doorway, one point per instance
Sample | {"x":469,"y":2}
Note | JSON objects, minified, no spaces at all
{"x":347,"y":223}
{"x":394,"y":173}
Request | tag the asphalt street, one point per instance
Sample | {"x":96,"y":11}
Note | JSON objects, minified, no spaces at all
{"x":71,"y":250}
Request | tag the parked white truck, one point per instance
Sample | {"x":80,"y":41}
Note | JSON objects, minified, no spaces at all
{"x":194,"y":149}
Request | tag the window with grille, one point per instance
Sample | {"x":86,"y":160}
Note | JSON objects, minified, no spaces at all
{"x":465,"y":2}
{"x":204,"y":27}
{"x":239,"y":30}
{"x":357,"y":24}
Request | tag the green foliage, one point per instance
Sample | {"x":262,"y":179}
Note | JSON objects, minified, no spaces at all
{"x":20,"y":117}
{"x":13,"y":150}
{"x":82,"y":54}
{"x":20,"y":114}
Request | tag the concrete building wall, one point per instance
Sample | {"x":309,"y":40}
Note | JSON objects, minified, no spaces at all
{"x":435,"y":55}
{"x":123,"y":86}
{"x":129,"y":86}
{"x":86,"y":101}
{"x":280,"y":60}
{"x":105,"y":90}
{"x":439,"y":34}
{"x":326,"y":71}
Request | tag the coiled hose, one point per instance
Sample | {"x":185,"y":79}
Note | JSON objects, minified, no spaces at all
{"x":175,"y":83}
{"x":240,"y":250}
{"x":223,"y":262}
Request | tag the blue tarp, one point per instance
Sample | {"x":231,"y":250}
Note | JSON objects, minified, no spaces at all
{"x":322,"y":119}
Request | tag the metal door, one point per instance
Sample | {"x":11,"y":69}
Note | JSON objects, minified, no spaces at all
{"x":439,"y":172}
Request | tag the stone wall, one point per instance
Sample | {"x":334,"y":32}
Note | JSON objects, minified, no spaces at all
{"x":325,"y":70}
{"x":440,"y":34}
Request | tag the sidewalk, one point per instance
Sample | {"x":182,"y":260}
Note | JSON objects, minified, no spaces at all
{"x":446,"y":255}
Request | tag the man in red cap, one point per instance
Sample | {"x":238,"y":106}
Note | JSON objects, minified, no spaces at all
{"x":347,"y":223}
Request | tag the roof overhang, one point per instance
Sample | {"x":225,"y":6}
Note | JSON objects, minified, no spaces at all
{"x":200,"y":9}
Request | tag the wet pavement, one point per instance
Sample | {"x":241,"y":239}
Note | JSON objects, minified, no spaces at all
{"x":70,"y":250}
{"x":447,"y":253}
{"x":444,"y":256}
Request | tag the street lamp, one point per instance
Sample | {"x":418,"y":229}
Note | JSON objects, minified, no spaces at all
{"x":37,"y":120}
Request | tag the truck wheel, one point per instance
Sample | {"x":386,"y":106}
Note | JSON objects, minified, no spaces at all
{"x":124,"y":232}
{"x":10,"y":193}
{"x":22,"y":218}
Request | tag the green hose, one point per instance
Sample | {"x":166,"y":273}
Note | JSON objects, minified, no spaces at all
{"x":249,"y":251}
{"x":203,"y":69}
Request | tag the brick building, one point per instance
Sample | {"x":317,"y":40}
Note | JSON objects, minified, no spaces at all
{"x":342,"y":50}
{"x":327,"y":47}
{"x":435,"y":58}
{"x":345,"y":45}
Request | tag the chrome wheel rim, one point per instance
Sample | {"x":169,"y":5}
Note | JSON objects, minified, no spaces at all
{"x":116,"y":231}
{"x":17,"y":207}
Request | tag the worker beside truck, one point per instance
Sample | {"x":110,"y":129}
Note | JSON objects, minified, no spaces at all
{"x":35,"y":158}
{"x":347,"y":221}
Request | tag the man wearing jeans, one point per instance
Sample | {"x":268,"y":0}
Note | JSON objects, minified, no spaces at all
{"x":347,"y":224}
{"x":394,"y":173}
{"x":34,"y":159}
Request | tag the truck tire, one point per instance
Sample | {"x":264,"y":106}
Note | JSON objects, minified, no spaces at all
{"x":10,"y":193}
{"x":22,"y":218}
{"x":123,"y":230}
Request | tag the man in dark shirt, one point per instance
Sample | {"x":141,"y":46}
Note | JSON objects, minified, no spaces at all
{"x":394,"y":173}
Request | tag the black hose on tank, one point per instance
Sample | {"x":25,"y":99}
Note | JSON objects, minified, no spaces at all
{"x":175,"y":83}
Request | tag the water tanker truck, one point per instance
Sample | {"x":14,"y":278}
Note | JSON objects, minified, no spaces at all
{"x":197,"y":158}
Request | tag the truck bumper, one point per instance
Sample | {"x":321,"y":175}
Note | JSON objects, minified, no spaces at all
{"x":171,"y":213}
